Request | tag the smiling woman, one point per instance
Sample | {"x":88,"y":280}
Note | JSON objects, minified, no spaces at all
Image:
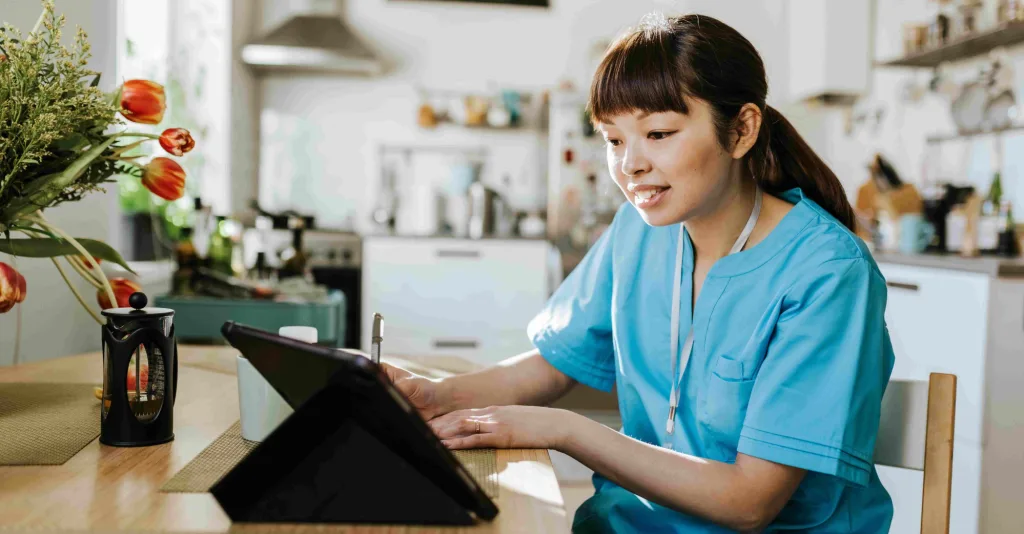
{"x":729,"y":303}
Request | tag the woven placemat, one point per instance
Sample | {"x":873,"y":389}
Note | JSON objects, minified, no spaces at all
{"x":46,"y":424}
{"x":227,"y":450}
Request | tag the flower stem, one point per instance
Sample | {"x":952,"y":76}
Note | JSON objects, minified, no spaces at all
{"x":75,"y":291}
{"x":83,"y":271}
{"x":88,"y":257}
{"x":135,"y":134}
{"x":126,"y":148}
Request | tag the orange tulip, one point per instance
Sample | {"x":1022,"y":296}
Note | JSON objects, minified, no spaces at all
{"x":12,"y":287}
{"x":123,"y":288}
{"x":143,"y":101}
{"x":164,"y":178}
{"x":177,"y":141}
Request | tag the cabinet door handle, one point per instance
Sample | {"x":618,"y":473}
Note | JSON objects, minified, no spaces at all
{"x":455,"y":343}
{"x":454,"y":253}
{"x":902,"y":285}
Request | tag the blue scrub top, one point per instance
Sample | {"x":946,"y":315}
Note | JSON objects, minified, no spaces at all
{"x":790,"y":359}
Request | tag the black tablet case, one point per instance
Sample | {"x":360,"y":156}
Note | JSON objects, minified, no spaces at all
{"x":335,"y":461}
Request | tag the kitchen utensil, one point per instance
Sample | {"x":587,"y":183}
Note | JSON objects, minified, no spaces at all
{"x":140,"y":375}
{"x":486,"y":211}
{"x":915,"y":233}
{"x":1001,"y":110}
{"x":969,"y":108}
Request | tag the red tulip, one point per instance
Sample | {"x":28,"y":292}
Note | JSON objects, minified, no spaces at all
{"x":143,"y":101}
{"x":177,"y":141}
{"x":12,"y":287}
{"x":123,"y":288}
{"x":164,"y":178}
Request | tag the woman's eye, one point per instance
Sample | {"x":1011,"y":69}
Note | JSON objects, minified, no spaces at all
{"x":612,"y":142}
{"x":659,"y":135}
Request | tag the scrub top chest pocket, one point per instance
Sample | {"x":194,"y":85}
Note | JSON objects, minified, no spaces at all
{"x":723,"y":407}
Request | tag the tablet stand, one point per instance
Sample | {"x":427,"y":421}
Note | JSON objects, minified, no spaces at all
{"x":323,"y":466}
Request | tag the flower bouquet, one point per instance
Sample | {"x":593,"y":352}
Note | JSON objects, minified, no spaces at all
{"x":61,"y":138}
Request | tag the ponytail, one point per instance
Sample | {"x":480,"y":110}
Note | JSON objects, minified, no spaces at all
{"x":780,"y":159}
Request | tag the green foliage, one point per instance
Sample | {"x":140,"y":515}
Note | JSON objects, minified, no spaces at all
{"x":51,"y":116}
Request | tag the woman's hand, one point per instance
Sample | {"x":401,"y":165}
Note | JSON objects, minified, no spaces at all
{"x":426,"y":395}
{"x":504,"y":427}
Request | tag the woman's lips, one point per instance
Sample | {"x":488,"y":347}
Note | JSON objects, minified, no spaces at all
{"x":650,"y":202}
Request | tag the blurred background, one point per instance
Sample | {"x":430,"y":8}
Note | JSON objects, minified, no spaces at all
{"x":432,"y":160}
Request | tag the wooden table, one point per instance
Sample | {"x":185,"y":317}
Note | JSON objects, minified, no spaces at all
{"x":109,"y":488}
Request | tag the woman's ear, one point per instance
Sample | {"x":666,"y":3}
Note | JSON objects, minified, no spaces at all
{"x":747,"y":128}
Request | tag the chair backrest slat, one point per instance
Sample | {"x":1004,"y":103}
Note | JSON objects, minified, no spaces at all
{"x":938,"y":456}
{"x":915,"y":431}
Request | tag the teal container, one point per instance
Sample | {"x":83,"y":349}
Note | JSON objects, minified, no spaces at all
{"x":198,"y":319}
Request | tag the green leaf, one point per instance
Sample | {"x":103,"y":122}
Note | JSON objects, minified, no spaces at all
{"x":49,"y":248}
{"x":73,"y":142}
{"x":29,"y":203}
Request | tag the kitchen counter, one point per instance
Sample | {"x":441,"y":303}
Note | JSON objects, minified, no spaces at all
{"x":993,"y":266}
{"x":453,"y":237}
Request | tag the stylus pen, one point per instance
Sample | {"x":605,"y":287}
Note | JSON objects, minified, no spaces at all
{"x":378,"y":336}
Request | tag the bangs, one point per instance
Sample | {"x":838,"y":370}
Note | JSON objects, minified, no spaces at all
{"x":639,"y":74}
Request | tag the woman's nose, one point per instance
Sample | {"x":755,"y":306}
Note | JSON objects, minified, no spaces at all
{"x":634,"y":162}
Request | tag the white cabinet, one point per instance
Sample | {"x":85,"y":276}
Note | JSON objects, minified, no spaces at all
{"x":828,"y":48}
{"x":454,"y":297}
{"x":943,"y":321}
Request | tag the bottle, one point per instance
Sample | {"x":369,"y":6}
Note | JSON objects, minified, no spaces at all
{"x":220,"y":253}
{"x":294,"y":257}
{"x":204,"y":226}
{"x":1009,"y":246}
{"x":989,"y":221}
{"x":185,"y":255}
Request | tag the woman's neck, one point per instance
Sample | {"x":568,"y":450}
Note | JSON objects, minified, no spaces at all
{"x":714,"y":234}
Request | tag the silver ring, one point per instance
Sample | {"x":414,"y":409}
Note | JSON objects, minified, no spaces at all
{"x":478,"y":427}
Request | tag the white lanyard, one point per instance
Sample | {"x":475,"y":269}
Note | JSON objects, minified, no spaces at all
{"x":684,"y":357}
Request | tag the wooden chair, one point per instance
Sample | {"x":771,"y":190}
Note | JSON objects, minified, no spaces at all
{"x":916,"y":432}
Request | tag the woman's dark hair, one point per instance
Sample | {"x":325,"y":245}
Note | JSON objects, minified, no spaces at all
{"x":654,"y":66}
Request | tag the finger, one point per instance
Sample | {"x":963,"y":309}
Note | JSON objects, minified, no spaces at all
{"x":395,"y":374}
{"x":476,"y":441}
{"x":443,"y":421}
{"x":457,"y":427}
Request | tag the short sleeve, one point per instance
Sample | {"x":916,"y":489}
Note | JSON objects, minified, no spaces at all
{"x":817,"y":397}
{"x":574,"y":330}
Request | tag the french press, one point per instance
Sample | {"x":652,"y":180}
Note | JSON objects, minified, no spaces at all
{"x":140,"y":375}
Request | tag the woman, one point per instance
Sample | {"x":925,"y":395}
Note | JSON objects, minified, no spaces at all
{"x":729,"y":302}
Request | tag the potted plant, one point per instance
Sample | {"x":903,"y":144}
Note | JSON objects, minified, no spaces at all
{"x":62,"y":138}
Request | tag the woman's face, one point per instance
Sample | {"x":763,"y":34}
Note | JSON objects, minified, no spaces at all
{"x":669,"y":165}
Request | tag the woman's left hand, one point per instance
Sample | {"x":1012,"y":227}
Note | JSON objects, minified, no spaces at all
{"x":503,"y":427}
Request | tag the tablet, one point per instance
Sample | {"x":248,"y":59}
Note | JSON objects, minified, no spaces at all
{"x":299,"y":371}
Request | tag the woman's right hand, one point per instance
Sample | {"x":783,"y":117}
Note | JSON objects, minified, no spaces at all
{"x":424,"y":394}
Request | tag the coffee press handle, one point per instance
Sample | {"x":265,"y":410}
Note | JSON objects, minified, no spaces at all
{"x":175,"y":381}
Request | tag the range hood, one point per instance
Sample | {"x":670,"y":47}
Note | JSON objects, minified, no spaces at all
{"x":313,"y":40}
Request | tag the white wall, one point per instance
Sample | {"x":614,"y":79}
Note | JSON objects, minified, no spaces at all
{"x":907,"y":122}
{"x":453,"y":47}
{"x":53,"y":323}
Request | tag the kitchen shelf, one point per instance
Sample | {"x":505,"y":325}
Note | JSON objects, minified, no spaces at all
{"x":966,"y":135}
{"x":1005,"y":35}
